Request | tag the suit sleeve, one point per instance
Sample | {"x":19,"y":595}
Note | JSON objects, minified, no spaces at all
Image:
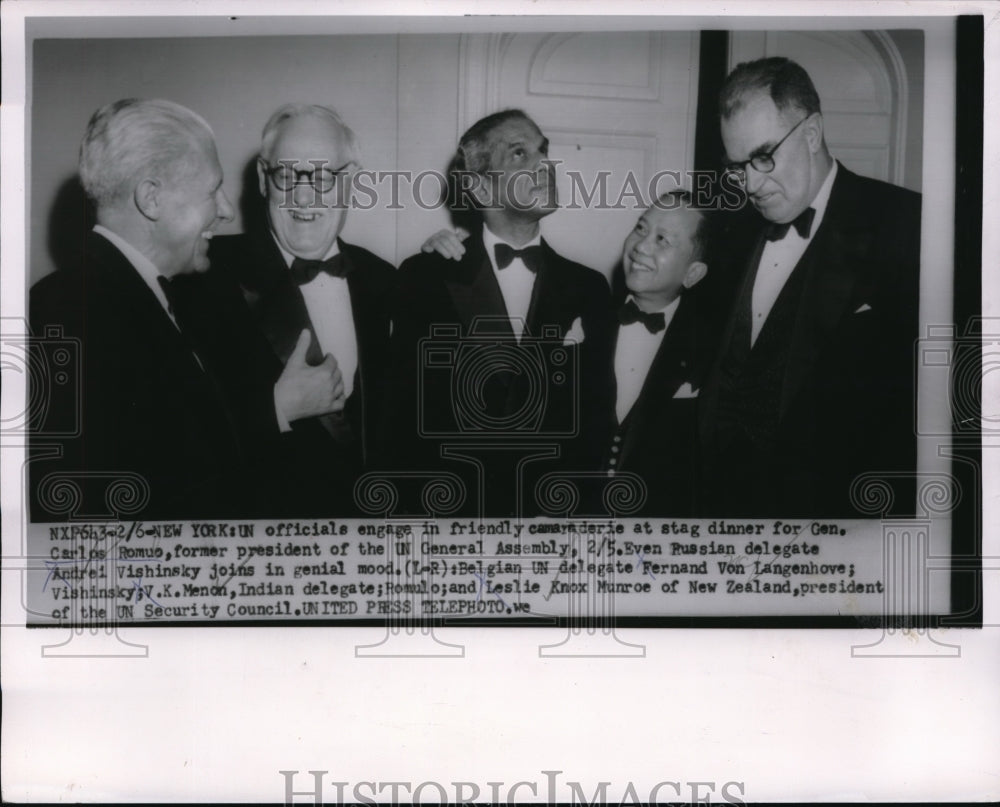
{"x":399,"y":444}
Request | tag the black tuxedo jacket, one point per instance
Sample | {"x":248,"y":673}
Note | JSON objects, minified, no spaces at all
{"x":845,"y":402}
{"x":473,"y":383}
{"x":255,"y":263}
{"x":658,"y":439}
{"x":190,"y":412}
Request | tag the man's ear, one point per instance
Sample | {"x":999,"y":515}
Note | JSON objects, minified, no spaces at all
{"x":261,"y":177}
{"x":695,"y":272}
{"x":148,"y":198}
{"x":814,"y":132}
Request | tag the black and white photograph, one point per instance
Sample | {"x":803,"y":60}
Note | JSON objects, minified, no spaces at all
{"x":706,"y":377}
{"x":583,"y":339}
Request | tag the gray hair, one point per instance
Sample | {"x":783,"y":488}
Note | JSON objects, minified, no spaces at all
{"x":785,"y":81}
{"x":475,"y":148}
{"x":132,"y":138}
{"x":290,"y":111}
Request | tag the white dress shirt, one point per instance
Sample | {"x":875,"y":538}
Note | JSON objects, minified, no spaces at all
{"x":516,"y":281}
{"x":328,"y":301}
{"x":779,"y":259}
{"x":634,"y":353}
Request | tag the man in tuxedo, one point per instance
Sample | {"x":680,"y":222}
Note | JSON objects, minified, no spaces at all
{"x":516,"y":365}
{"x":813,"y":382}
{"x":297,"y":274}
{"x":175,"y":400}
{"x":659,"y":355}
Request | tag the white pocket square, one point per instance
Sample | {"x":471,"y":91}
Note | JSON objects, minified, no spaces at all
{"x":685,"y":390}
{"x":862,"y":308}
{"x":574,"y":336}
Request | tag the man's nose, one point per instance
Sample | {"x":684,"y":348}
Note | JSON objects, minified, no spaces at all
{"x":754,"y":179}
{"x":225,"y":210}
{"x":304,"y":194}
{"x":645,"y":244}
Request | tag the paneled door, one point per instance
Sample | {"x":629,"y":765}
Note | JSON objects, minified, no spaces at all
{"x":618,"y":109}
{"x":864,"y":89}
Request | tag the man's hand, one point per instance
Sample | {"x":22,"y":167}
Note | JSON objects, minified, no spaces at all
{"x":303,"y":391}
{"x":447,"y":243}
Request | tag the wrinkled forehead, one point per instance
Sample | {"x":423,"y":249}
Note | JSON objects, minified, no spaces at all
{"x":307,"y":138}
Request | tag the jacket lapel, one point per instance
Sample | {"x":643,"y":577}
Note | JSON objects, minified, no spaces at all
{"x":152,"y":326}
{"x":140,"y":303}
{"x":541,"y":309}
{"x":278,"y":304}
{"x":668,"y":371}
{"x":742,"y":297}
{"x":475,"y":292}
{"x":367,"y":329}
{"x":833,"y":260}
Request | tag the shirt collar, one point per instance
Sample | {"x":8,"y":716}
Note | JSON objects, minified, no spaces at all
{"x":822,"y":198}
{"x":490,"y":240}
{"x":289,"y":257}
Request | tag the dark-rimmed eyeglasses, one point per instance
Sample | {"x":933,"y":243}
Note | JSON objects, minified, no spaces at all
{"x":284,"y":176}
{"x":763,"y":162}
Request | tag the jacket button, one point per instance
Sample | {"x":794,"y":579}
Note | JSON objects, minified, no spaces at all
{"x":614,"y":449}
{"x":613,"y":461}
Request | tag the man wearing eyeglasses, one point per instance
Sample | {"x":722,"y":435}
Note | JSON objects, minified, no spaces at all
{"x":313,"y":296}
{"x":813,"y":383}
{"x":178,"y":392}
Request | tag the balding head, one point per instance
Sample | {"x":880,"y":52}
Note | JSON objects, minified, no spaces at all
{"x":304,"y":171}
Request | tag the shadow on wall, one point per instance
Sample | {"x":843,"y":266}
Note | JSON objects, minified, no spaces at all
{"x":253,"y":211}
{"x":72,"y":216}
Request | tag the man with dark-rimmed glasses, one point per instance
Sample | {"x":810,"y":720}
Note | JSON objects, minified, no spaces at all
{"x":813,"y":383}
{"x":311,"y":292}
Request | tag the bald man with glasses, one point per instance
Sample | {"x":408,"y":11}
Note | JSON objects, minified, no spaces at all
{"x":813,"y":384}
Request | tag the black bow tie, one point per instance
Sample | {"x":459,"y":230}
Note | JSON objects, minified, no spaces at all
{"x":629,"y":313}
{"x":304,"y":271}
{"x":802,"y":224}
{"x":532,"y":256}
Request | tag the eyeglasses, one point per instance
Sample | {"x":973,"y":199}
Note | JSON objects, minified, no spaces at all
{"x":763,"y":162}
{"x":284,"y":177}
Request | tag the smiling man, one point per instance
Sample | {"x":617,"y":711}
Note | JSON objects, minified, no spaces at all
{"x":176,"y":406}
{"x":297,"y":274}
{"x":658,"y":355}
{"x":527,"y":329}
{"x":813,"y":385}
